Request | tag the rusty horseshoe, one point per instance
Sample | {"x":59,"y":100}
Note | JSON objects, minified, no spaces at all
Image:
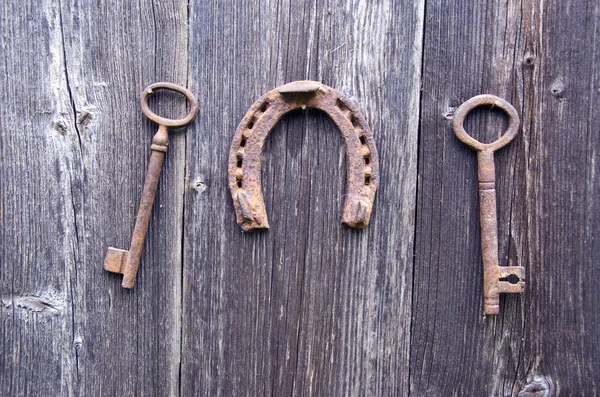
{"x":245,"y":156}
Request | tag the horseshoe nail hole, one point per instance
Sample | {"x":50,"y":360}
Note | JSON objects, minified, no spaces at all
{"x":354,"y":121}
{"x":340,"y":104}
{"x":239,"y":183}
{"x":513,"y":279}
{"x":243,"y":141}
{"x":367,"y":180}
{"x":367,"y":160}
{"x":250,"y":125}
{"x":264,"y":107}
{"x":363,"y":140}
{"x":239,"y":162}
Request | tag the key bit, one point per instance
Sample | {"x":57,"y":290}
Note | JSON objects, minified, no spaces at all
{"x":496,"y":279}
{"x":127,"y":262}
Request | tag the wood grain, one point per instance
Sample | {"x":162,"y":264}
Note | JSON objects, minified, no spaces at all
{"x":75,"y":146}
{"x":131,"y":339}
{"x":309,"y":307}
{"x":544,"y":341}
{"x":39,"y":242}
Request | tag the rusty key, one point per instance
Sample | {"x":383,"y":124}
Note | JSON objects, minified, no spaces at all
{"x":496,"y":279}
{"x":127,"y":262}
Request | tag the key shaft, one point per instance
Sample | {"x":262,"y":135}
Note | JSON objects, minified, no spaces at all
{"x":159,"y":147}
{"x":489,"y":231}
{"x":128,"y":262}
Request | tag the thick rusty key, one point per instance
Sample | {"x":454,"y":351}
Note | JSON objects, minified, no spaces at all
{"x":127,"y":262}
{"x":496,"y":279}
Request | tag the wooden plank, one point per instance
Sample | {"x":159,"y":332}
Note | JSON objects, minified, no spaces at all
{"x":38,"y":240}
{"x":563,"y":189}
{"x":75,"y":146}
{"x":536,"y":55}
{"x":113,"y":52}
{"x":309,"y":307}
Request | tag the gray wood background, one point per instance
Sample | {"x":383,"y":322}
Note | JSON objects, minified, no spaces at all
{"x":309,"y":307}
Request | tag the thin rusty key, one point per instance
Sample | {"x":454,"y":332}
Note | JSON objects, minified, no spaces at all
{"x":496,"y":279}
{"x":127,"y":262}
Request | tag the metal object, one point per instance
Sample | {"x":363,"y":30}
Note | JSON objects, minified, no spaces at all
{"x":496,"y":279}
{"x":127,"y":262}
{"x":245,"y":156}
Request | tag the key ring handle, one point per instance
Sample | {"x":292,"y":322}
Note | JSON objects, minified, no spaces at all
{"x":486,"y":99}
{"x":164,"y":121}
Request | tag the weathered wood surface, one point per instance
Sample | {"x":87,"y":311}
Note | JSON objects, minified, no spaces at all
{"x":74,"y":150}
{"x":543,"y":58}
{"x":309,"y":307}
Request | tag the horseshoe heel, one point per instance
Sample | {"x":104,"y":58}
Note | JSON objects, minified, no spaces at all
{"x":245,"y":156}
